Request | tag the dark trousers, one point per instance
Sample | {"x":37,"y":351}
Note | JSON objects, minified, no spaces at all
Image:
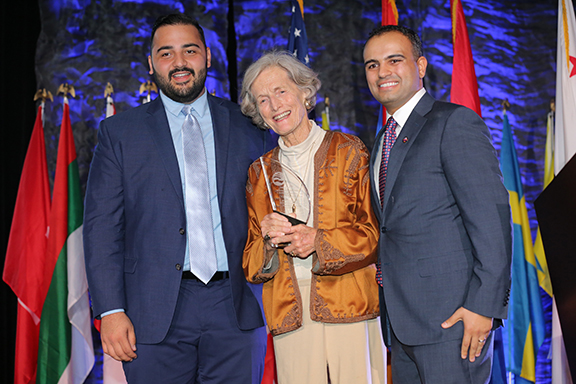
{"x":203,"y":345}
{"x":439,"y":363}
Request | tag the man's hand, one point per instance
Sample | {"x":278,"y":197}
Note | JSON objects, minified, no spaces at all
{"x":118,"y":337}
{"x":476,"y":330}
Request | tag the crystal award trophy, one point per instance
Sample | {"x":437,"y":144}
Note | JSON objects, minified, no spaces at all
{"x":288,"y":195}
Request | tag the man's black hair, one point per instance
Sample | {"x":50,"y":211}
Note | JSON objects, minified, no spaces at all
{"x":410,"y":34}
{"x":176,"y":19}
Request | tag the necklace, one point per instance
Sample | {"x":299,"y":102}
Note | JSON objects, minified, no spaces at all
{"x":303,"y":181}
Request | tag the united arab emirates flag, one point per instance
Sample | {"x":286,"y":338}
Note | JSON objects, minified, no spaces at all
{"x":66,"y":354}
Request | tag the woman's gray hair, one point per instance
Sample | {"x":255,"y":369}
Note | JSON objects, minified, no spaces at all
{"x":304,"y":78}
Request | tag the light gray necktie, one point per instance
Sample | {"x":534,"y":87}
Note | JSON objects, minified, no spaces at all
{"x":200,"y":230}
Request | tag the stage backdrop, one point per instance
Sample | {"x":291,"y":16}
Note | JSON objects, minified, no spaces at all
{"x":89,"y":43}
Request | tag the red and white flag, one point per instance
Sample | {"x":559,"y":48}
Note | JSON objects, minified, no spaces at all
{"x":564,"y":150}
{"x":565,"y":130}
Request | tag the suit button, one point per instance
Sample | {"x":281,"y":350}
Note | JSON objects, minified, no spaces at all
{"x":384,"y":229}
{"x":182,"y":231}
{"x":178,"y":267}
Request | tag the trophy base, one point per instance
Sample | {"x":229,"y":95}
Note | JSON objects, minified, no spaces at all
{"x":292,"y":220}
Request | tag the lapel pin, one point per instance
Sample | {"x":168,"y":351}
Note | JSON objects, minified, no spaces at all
{"x":405,"y":139}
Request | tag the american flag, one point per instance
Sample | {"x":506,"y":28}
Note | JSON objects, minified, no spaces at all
{"x":298,"y":41}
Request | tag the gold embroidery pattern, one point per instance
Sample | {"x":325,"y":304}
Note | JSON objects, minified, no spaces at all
{"x":293,"y":319}
{"x":319,"y":310}
{"x":319,"y":160}
{"x":354,"y":156}
{"x":256,"y":168}
{"x":259,"y":278}
{"x":334,"y":259}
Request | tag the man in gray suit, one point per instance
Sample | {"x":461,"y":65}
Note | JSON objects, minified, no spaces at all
{"x":446,"y":244}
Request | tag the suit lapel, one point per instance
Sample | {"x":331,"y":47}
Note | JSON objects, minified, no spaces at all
{"x":408,"y":135}
{"x":220,"y":123}
{"x":157,"y":124}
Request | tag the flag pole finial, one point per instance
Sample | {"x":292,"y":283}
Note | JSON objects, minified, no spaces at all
{"x":43,"y":95}
{"x":148,"y":86}
{"x":109,"y":90}
{"x":66,"y":89}
{"x":505,"y":105}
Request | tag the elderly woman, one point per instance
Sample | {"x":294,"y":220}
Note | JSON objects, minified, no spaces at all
{"x":320,"y":294}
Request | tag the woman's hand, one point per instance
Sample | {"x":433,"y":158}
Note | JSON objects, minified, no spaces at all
{"x":274,"y":227}
{"x":301,"y":239}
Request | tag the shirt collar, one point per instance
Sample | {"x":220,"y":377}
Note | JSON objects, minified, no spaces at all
{"x":403,"y":113}
{"x":315,"y":133}
{"x":200,"y":105}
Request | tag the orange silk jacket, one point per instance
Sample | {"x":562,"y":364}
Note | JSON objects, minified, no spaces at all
{"x":343,"y":286}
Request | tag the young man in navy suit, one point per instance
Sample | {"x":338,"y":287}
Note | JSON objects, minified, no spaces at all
{"x":445,"y":245}
{"x":167,"y":322}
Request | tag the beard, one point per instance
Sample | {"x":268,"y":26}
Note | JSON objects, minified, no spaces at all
{"x":182,"y":94}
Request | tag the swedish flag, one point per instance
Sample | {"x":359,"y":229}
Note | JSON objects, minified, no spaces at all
{"x":524,"y":331}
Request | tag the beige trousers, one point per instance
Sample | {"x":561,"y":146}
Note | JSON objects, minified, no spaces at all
{"x":351,"y":353}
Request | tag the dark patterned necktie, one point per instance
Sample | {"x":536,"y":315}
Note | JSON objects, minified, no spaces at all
{"x":389,"y":139}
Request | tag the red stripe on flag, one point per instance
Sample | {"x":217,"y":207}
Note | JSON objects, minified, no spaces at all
{"x":58,"y":226}
{"x":389,"y":17}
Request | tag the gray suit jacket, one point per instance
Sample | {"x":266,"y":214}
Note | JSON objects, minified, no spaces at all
{"x":134,"y":226}
{"x":446,"y":236}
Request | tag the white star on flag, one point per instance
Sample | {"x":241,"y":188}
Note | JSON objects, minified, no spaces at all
{"x":297,"y":32}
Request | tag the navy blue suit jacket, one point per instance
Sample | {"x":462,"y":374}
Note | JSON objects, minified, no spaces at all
{"x":446,"y":236}
{"x":134,"y":222}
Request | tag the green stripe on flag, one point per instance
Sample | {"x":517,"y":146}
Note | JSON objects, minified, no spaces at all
{"x":55,"y":329}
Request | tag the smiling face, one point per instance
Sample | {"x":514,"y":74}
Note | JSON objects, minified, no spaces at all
{"x":281,"y":104}
{"x":179,"y":62}
{"x":393,"y":74}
